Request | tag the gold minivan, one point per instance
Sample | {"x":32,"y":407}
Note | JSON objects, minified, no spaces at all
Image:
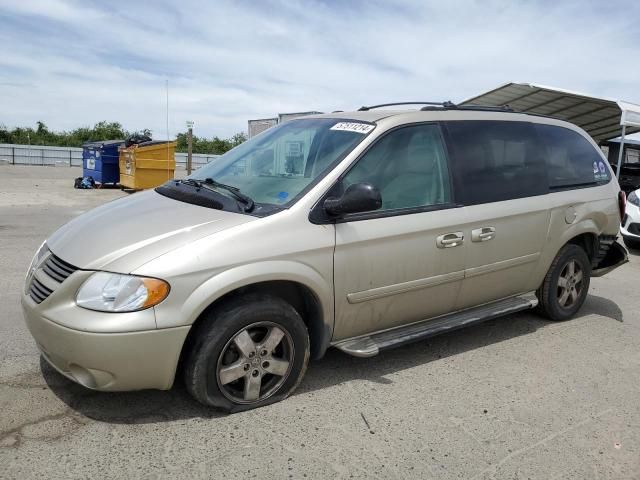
{"x":360,"y":231}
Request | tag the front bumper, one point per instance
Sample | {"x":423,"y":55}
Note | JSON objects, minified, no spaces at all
{"x":107,"y":361}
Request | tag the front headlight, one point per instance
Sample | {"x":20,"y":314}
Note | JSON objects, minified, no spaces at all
{"x":633,"y":199}
{"x":113,"y":292}
{"x":42,"y":251}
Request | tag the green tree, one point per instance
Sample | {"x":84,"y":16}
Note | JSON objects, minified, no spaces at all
{"x":238,"y":138}
{"x":214,"y":146}
{"x":41,"y":135}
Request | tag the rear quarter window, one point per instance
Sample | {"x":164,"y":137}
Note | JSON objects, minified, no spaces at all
{"x":572,"y":161}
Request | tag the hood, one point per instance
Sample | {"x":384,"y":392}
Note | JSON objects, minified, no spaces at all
{"x":124,"y":234}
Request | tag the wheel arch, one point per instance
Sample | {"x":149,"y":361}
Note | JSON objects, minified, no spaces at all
{"x":588,"y":241}
{"x":584,"y":234}
{"x":299,"y":285}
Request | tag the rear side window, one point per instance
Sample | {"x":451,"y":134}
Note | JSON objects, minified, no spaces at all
{"x":497,"y":161}
{"x":571,"y":160}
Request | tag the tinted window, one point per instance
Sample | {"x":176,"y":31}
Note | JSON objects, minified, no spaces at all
{"x":571,"y":159}
{"x":496,"y":161}
{"x":408,"y":166}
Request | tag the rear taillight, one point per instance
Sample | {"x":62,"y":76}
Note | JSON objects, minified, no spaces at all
{"x":622,"y":203}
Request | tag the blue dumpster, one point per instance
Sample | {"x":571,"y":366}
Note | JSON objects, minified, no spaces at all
{"x":100,"y":161}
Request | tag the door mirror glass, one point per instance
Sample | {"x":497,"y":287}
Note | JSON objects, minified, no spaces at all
{"x":358,"y":197}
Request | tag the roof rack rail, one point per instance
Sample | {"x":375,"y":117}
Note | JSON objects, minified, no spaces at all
{"x":480,"y":108}
{"x":447,"y":104}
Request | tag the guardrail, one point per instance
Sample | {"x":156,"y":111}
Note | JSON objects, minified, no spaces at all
{"x":71,"y":157}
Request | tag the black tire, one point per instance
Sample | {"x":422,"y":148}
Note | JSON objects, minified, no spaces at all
{"x":217,"y":347}
{"x":551,"y":293}
{"x":631,"y":243}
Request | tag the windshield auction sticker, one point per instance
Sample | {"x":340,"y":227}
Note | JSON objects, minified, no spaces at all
{"x":363,"y":128}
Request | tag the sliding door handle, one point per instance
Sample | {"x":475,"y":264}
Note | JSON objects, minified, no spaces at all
{"x":450,"y":240}
{"x":483,"y":234}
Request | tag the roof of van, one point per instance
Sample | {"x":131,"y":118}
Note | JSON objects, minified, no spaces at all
{"x":436,"y":113}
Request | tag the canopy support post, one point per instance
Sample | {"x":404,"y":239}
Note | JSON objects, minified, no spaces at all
{"x":624,"y":130}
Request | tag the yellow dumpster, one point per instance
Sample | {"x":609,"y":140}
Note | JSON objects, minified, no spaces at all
{"x":147,"y":165}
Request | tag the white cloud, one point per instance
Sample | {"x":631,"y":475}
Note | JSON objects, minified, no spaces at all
{"x":70,"y":63}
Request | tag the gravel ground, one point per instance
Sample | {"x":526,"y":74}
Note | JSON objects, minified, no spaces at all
{"x":513,"y":398}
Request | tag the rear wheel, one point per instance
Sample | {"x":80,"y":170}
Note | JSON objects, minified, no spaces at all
{"x":248,"y":353}
{"x":566,"y":284}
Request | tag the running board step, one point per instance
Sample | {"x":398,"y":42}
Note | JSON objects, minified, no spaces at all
{"x":370,"y":345}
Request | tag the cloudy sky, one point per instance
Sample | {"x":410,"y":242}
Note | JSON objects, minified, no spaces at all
{"x":72,"y":63}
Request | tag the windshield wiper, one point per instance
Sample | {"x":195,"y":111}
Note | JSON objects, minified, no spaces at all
{"x":211,"y":184}
{"x":190,"y":181}
{"x":235,"y":191}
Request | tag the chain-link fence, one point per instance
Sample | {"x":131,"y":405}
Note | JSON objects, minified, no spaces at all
{"x":40,"y":155}
{"x":70,"y":157}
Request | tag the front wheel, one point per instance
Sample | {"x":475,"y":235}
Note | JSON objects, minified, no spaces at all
{"x":566,"y":284}
{"x":250,"y":352}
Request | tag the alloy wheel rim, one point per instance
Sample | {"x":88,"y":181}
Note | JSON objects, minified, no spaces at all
{"x":570,"y":284}
{"x":255,"y":363}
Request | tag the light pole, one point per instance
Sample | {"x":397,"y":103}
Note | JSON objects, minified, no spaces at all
{"x":189,"y":145}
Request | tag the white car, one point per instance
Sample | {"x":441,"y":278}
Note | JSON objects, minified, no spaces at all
{"x":630,"y":228}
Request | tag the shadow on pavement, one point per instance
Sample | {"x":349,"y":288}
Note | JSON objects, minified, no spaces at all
{"x":152,"y":406}
{"x":601,"y":306}
{"x":633,"y":251}
{"x":146,"y":406}
{"x":337,"y":367}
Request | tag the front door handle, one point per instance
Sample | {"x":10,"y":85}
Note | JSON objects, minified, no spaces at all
{"x":483,"y":234}
{"x":450,"y":240}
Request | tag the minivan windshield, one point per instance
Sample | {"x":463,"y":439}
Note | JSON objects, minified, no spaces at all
{"x":277,"y":166}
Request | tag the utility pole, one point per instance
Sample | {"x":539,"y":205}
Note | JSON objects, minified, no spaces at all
{"x":624,"y":131}
{"x":29,"y":139}
{"x":189,"y":146}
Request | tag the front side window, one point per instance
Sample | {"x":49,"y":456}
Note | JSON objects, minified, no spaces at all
{"x":408,"y":166}
{"x":571,"y":160}
{"x":497,"y":161}
{"x":277,"y":166}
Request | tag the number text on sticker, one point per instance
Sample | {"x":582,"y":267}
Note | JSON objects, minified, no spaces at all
{"x":353,"y":127}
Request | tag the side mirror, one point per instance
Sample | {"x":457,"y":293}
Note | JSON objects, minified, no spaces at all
{"x":359,"y":197}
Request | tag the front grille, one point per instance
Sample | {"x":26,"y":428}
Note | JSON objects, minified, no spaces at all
{"x":634,"y":228}
{"x":56,"y":269}
{"x":38,"y":291}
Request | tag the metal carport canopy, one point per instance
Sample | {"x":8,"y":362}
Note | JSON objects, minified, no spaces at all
{"x":602,"y":118}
